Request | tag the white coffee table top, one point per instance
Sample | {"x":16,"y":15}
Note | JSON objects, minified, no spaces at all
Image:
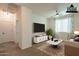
{"x":54,"y":43}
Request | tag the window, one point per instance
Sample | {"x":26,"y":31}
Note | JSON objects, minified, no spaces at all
{"x":63,"y":25}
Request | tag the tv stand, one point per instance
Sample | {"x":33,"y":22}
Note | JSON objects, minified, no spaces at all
{"x":38,"y":39}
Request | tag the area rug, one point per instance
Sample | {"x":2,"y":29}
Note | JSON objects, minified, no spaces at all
{"x":50,"y":50}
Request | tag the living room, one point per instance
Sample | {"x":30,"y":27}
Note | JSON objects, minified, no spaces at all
{"x":45,"y":29}
{"x":63,"y":23}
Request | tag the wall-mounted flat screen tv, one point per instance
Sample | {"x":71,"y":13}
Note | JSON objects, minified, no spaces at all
{"x":38,"y":27}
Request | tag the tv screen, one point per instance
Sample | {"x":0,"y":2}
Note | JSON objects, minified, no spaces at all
{"x":39,"y":27}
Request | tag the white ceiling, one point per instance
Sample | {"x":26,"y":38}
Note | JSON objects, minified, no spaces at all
{"x":48,"y":9}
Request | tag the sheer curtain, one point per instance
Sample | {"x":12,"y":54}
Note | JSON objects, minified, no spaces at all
{"x":63,"y":24}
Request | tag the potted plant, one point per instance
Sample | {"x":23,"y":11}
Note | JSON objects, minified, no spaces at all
{"x":50,"y":33}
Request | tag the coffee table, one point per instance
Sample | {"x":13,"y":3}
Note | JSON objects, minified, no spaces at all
{"x":55,"y":43}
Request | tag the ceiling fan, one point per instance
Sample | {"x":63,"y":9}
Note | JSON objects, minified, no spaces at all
{"x":57,"y":12}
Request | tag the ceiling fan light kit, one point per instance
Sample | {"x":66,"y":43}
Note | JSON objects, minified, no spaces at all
{"x":57,"y":12}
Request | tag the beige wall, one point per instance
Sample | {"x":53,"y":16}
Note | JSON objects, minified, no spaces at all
{"x":76,"y":22}
{"x":24,"y":28}
{"x":51,"y":23}
{"x":18,"y":25}
{"x":7,"y":25}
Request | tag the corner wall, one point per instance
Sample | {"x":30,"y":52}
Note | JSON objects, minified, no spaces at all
{"x":24,"y":28}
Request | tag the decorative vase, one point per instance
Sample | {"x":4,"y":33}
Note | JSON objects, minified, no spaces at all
{"x":50,"y":37}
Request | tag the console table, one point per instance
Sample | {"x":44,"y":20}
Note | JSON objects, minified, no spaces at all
{"x":40,"y":39}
